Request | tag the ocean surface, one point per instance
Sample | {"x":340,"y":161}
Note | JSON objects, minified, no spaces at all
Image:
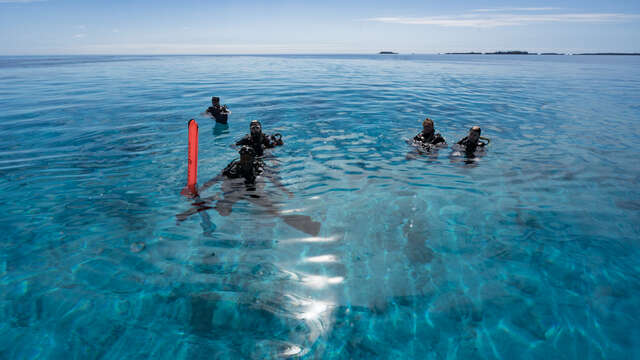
{"x":530,"y":250}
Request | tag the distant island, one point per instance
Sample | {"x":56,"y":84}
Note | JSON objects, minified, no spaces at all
{"x":633,"y":54}
{"x":508,"y":53}
{"x":387,"y":53}
{"x":515,"y":52}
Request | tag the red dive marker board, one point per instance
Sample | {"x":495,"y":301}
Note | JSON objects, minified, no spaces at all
{"x":192,"y":163}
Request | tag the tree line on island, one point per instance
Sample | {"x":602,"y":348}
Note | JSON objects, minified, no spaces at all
{"x":517,"y":52}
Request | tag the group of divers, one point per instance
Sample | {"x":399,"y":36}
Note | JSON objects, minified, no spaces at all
{"x":241,"y":177}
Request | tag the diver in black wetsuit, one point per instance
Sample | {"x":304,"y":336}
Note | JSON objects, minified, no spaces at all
{"x":426,"y":141}
{"x":248,"y":167}
{"x":427,"y":137}
{"x":258,"y":140}
{"x":244,"y":180}
{"x":471,"y":142}
{"x":220,"y":113}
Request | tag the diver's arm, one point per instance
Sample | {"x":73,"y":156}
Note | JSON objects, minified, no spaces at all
{"x":461,"y":142}
{"x":244,"y":141}
{"x":211,"y":182}
{"x":266,"y":141}
{"x":276,"y":139}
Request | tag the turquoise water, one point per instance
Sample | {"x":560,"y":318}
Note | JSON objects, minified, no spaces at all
{"x":529,"y":251}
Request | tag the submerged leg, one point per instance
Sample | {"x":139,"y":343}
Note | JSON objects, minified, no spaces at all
{"x":303,"y":223}
{"x":208,"y":227}
{"x":233,"y":191}
{"x":300,"y":222}
{"x":220,"y":129}
{"x":224,"y":207}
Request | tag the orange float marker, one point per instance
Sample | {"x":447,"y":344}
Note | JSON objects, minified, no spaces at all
{"x":192,"y":164}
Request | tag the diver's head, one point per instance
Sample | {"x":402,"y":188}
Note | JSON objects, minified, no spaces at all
{"x":474,"y":134}
{"x":427,"y":126}
{"x":215,"y":100}
{"x":246,"y":154}
{"x":255,"y":127}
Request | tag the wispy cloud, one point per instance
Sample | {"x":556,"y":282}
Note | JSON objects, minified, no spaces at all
{"x":487,"y":20}
{"x":517,"y":9}
{"x":79,"y":36}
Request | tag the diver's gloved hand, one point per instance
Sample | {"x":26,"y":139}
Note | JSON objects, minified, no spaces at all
{"x":277,"y":139}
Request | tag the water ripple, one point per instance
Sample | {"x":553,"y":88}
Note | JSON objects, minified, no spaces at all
{"x":527,"y":250}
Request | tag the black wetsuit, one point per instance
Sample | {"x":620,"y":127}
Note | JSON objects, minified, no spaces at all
{"x":427,"y":141}
{"x":469,"y":147}
{"x":263,"y":142}
{"x":235,"y":171}
{"x":220,"y":113}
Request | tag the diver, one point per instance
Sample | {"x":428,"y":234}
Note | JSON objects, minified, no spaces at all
{"x":243,"y":179}
{"x":426,"y":141}
{"x":258,"y":140}
{"x":471,"y":142}
{"x":220,"y":113}
{"x":248,"y":167}
{"x":427,"y":138}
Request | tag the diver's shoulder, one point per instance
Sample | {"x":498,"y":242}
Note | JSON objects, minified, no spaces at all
{"x":245,"y":140}
{"x":230,"y":168}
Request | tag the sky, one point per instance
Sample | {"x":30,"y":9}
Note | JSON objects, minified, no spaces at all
{"x":58,"y":27}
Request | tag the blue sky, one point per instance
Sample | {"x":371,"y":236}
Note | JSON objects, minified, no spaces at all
{"x":284,"y":26}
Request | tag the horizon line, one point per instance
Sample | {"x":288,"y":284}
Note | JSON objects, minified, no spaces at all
{"x":455,"y":52}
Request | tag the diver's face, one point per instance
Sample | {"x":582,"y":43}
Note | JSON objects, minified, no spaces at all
{"x":255,"y":128}
{"x":474,"y":136}
{"x":215,"y":102}
{"x":427,"y":128}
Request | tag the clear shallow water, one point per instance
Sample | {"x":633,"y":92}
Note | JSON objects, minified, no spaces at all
{"x":529,"y":252}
